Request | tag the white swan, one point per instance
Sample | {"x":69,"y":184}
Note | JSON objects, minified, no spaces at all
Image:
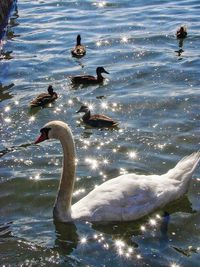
{"x":124,"y":198}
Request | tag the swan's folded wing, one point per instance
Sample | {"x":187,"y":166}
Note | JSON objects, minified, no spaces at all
{"x":124,"y":198}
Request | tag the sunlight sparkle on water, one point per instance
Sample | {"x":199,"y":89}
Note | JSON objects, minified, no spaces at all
{"x":7,"y":109}
{"x":93,"y":163}
{"x":95,"y":236}
{"x":106,"y":246}
{"x":123,"y":249}
{"x":104,"y":105}
{"x":161,"y":146}
{"x":152,"y":222}
{"x":8,"y":120}
{"x":57,"y":110}
{"x":90,"y":105}
{"x":86,"y":142}
{"x":127,"y":255}
{"x":36,"y":177}
{"x":132,"y":154}
{"x":106,"y":42}
{"x":143,"y":228}
{"x":158,"y":216}
{"x":124,"y":39}
{"x":130,"y":250}
{"x":119,"y":243}
{"x":83,"y":240}
{"x":122,"y":171}
{"x":32,"y":118}
{"x":100,"y":4}
{"x":28,"y":162}
{"x":79,"y":191}
{"x":70,"y":102}
{"x":105,"y":161}
{"x":98,"y":43}
{"x":175,"y":265}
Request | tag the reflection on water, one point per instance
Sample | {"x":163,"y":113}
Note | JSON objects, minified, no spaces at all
{"x":13,"y":148}
{"x":6,"y":55}
{"x":164,"y":239}
{"x":66,"y":237}
{"x":180,"y":50}
{"x":4,"y":93}
{"x":5,"y":231}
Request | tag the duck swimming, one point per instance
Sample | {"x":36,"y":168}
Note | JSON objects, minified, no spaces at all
{"x":181,"y":33}
{"x":96,"y":120}
{"x":44,"y":98}
{"x":127,"y":197}
{"x":88,"y":79}
{"x":79,"y":50}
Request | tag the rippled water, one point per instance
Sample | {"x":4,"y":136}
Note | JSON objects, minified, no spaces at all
{"x":152,"y":90}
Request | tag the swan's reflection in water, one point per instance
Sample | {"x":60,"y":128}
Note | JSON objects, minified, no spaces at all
{"x":164,"y":239}
{"x":110,"y":237}
{"x":137,"y":240}
{"x":66,"y":237}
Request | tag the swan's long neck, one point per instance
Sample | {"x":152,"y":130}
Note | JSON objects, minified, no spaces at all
{"x":62,"y":208}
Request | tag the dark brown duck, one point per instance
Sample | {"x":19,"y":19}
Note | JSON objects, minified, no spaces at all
{"x":88,"y":79}
{"x":181,"y":33}
{"x":45,"y":98}
{"x":96,"y":120}
{"x":79,"y":50}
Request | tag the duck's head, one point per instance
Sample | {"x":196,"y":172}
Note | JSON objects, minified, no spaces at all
{"x":182,"y":29}
{"x":83,"y":109}
{"x":50,"y":89}
{"x":100,"y":70}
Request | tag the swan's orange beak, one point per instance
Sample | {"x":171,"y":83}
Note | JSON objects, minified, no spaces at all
{"x":44,"y":135}
{"x":41,"y":138}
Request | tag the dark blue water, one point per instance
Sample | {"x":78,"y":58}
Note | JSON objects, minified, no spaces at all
{"x":152,"y":91}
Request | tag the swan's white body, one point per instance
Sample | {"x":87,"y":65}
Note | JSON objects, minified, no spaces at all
{"x":125,"y":198}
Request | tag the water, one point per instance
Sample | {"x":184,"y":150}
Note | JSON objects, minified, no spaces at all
{"x":152,"y":90}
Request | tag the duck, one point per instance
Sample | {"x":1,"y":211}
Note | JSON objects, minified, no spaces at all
{"x":88,"y":79}
{"x":45,"y":98}
{"x":96,"y":120}
{"x":127,"y":197}
{"x":181,"y":33}
{"x":79,"y":50}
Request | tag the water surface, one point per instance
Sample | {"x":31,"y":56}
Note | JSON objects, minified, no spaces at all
{"x":152,"y":90}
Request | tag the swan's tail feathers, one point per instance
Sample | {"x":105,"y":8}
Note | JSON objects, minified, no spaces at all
{"x":185,"y":167}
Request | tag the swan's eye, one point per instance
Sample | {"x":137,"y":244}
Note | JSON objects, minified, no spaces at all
{"x":45,"y":132}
